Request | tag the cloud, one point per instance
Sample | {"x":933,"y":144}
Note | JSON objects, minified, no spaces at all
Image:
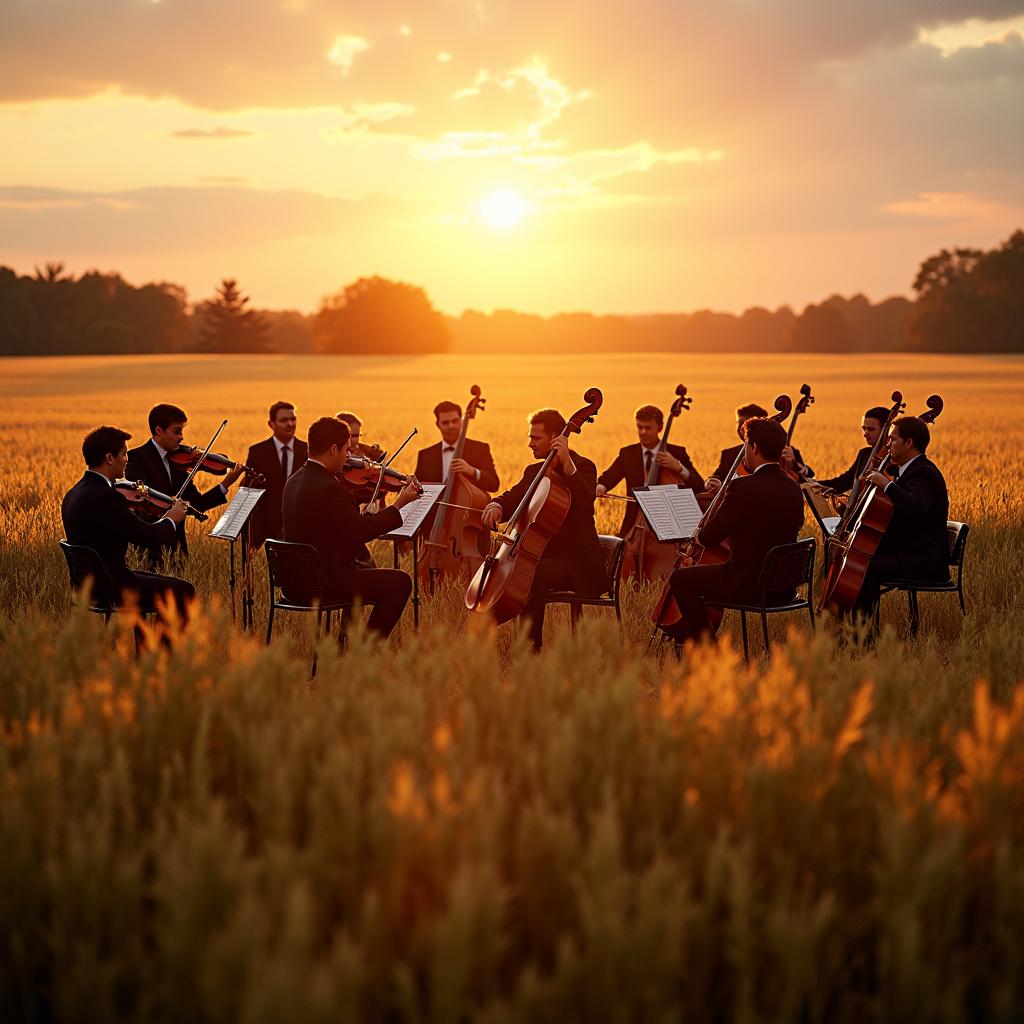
{"x":211,"y":133}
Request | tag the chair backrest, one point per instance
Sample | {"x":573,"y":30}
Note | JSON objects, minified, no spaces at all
{"x":614,"y":549}
{"x":295,"y":568}
{"x":787,"y":566}
{"x":85,"y":564}
{"x":956,"y":535}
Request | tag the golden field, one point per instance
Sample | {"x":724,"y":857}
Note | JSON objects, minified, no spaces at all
{"x":449,"y":828}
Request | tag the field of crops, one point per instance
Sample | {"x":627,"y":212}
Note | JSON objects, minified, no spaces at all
{"x":450,"y":828}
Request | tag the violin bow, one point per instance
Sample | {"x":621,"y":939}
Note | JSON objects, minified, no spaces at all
{"x":195,"y":468}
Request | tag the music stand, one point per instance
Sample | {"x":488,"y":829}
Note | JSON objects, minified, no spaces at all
{"x":824,"y":514}
{"x":229,"y":527}
{"x":414,"y":515}
{"x":671,"y":511}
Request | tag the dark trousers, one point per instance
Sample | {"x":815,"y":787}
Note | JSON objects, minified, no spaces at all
{"x":696,"y":587}
{"x":552,"y":574}
{"x":892,"y":565}
{"x":151,"y":587}
{"x":387,"y":590}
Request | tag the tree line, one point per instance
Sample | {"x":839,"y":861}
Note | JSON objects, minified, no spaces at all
{"x":966,"y":300}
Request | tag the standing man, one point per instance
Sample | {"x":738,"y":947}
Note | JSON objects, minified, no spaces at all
{"x":870,"y":426}
{"x":275,"y":459}
{"x":634,"y":463}
{"x":757,"y":512}
{"x":98,"y":518}
{"x":573,"y":559}
{"x":149,"y":464}
{"x":433,"y":464}
{"x":319,"y":511}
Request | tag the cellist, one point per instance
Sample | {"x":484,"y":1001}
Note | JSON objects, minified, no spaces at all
{"x":870,"y":426}
{"x":759,"y":511}
{"x":435,"y":462}
{"x":633,"y":463}
{"x":572,"y":559}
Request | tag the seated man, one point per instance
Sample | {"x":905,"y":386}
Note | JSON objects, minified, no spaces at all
{"x":758,"y":512}
{"x":98,"y":517}
{"x":870,"y":427}
{"x":319,"y":511}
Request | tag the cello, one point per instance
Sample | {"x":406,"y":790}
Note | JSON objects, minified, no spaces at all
{"x":691,"y":552}
{"x":801,"y":407}
{"x":457,"y":536}
{"x":645,"y":556}
{"x":867,"y":516}
{"x":501,"y":585}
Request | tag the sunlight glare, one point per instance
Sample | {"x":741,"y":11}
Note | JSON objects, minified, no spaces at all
{"x":503,"y":209}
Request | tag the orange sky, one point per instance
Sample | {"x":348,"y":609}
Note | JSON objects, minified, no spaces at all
{"x":661,"y":156}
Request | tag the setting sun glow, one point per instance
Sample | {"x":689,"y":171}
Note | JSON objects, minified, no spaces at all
{"x":503,"y":209}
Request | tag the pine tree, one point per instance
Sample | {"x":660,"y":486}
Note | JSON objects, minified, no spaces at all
{"x":228,"y":326}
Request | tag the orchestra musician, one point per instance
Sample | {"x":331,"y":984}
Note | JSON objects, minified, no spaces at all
{"x":871,"y":426}
{"x":915,"y":544}
{"x":362,"y":493}
{"x":790,"y":459}
{"x":759,"y":511}
{"x":573,"y":559}
{"x":633,"y":463}
{"x":149,"y":464}
{"x":435,"y":462}
{"x":320,"y":511}
{"x":275,"y":459}
{"x":97,"y":517}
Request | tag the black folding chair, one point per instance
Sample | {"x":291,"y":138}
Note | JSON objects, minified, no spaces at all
{"x":614,"y":549}
{"x":296,"y":569}
{"x":84,"y":563}
{"x":786,"y":567}
{"x":956,"y":536}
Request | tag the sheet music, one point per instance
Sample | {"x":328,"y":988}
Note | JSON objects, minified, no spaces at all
{"x":415,"y":512}
{"x":235,"y":516}
{"x":671,"y":511}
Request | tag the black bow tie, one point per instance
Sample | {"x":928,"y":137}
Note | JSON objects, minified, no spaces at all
{"x":450,"y":448}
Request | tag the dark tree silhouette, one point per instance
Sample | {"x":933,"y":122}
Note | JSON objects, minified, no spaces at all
{"x":228,"y":326}
{"x":375,"y":315}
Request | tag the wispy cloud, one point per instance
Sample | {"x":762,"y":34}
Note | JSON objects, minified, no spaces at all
{"x":211,"y":133}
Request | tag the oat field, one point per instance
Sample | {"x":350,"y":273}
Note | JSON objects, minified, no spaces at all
{"x":448,"y":828}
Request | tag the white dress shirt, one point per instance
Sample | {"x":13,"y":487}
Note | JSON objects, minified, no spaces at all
{"x":279,"y":445}
{"x":447,"y":454}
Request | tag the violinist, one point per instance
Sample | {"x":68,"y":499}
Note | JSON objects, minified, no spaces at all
{"x":275,"y":459}
{"x":318,"y":510}
{"x":633,"y":463}
{"x":573,"y":559}
{"x":870,"y":426}
{"x":790,"y":459}
{"x":759,"y":511}
{"x":97,"y":517}
{"x":914,"y":546}
{"x":362,"y":493}
{"x":434,"y":463}
{"x":149,"y":464}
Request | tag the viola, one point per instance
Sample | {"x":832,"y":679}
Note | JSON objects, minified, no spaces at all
{"x":458,"y":539}
{"x":143,"y":499}
{"x":501,"y":585}
{"x":190,"y":457}
{"x":360,"y":471}
{"x":692,"y":552}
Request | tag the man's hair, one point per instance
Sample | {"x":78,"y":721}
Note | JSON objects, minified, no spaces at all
{"x":101,"y":442}
{"x":877,"y":412}
{"x":446,"y":407}
{"x":277,"y":407}
{"x":745,"y":412}
{"x":550,"y":419}
{"x":349,"y":417}
{"x":326,"y":431}
{"x":915,"y":430}
{"x":767,"y":434}
{"x":650,"y":412}
{"x":163,"y":415}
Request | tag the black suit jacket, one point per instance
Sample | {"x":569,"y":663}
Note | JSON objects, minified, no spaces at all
{"x":757,"y":513}
{"x":576,"y":541}
{"x":266,"y":517}
{"x":629,"y":466}
{"x":145,"y":466}
{"x":476,"y":453}
{"x":917,"y":531}
{"x":318,"y":510}
{"x":728,"y":456}
{"x":842,"y":483}
{"x":95,"y":516}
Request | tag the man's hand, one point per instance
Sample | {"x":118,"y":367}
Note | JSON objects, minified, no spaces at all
{"x":560,"y":446}
{"x":462,"y":466}
{"x":601,"y":489}
{"x":176,"y":513}
{"x":878,"y":479}
{"x":410,"y":492}
{"x":712,"y":485}
{"x":232,"y":475}
{"x":491,"y":514}
{"x":669,"y":461}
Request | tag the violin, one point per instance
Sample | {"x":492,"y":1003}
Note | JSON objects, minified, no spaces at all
{"x":373,"y":452}
{"x":190,"y":457}
{"x":359,"y":471}
{"x":145,"y":500}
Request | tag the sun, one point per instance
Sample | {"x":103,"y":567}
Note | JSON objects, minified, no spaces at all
{"x":503,"y":209}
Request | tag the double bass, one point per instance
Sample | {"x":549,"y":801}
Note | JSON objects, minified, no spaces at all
{"x":644,"y":555}
{"x":691,"y":552}
{"x":458,"y":539}
{"x":501,"y":585}
{"x":801,"y":407}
